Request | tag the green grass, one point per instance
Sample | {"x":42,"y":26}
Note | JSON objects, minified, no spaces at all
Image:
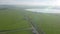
{"x":11,"y":19}
{"x":50,"y":24}
{"x":20,"y":32}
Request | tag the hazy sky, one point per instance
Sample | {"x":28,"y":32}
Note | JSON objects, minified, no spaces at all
{"x":44,"y":10}
{"x":32,"y":2}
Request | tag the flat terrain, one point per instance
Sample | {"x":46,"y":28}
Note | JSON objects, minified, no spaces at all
{"x":13,"y":19}
{"x":50,"y":24}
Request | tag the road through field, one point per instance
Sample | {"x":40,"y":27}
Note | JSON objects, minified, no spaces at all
{"x":34,"y":26}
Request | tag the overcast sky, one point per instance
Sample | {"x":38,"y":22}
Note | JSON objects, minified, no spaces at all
{"x":32,"y":2}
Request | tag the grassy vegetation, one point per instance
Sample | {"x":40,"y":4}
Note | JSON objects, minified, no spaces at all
{"x":11,"y":19}
{"x":20,"y":32}
{"x":50,"y":24}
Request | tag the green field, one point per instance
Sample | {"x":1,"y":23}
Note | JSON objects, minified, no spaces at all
{"x":50,"y":24}
{"x":12,"y":19}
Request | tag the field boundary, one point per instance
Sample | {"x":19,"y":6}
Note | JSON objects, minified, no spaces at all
{"x":15,"y":30}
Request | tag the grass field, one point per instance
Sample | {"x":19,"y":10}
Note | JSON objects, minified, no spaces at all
{"x":50,"y":24}
{"x":11,"y":19}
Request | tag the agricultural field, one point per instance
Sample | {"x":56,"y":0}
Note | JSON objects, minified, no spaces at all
{"x":12,"y":21}
{"x":49,"y":24}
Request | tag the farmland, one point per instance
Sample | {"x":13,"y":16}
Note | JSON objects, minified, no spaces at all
{"x":50,"y":24}
{"x":12,"y":21}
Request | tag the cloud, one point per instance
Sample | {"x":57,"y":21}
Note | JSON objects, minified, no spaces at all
{"x":32,"y":2}
{"x":36,"y":2}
